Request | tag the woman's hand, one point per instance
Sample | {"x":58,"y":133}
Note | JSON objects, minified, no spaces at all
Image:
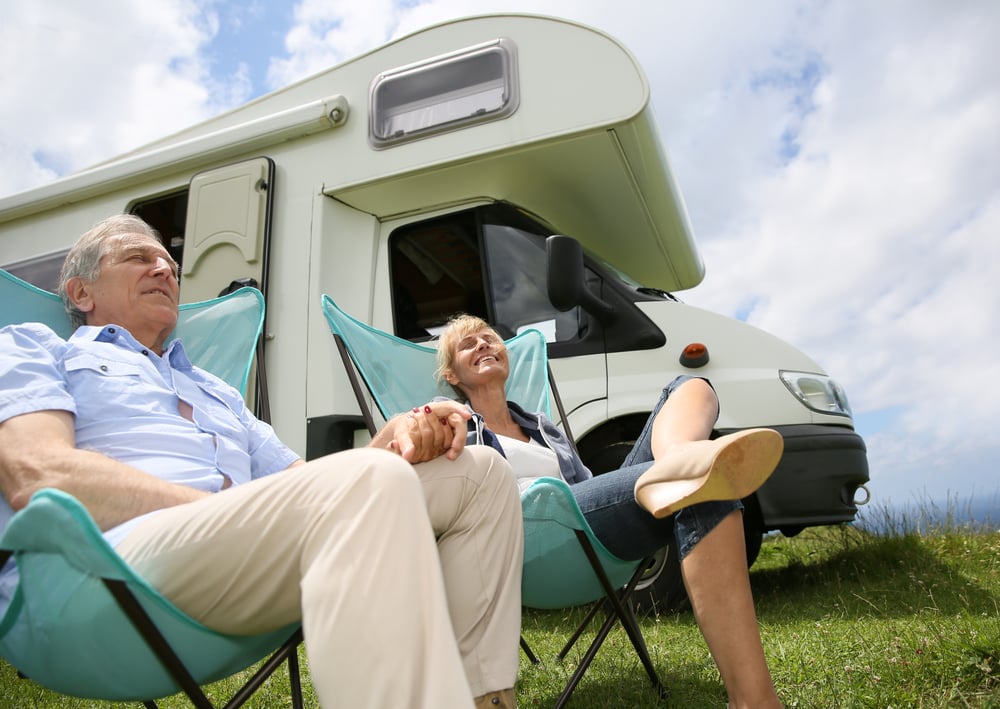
{"x":435,"y":429}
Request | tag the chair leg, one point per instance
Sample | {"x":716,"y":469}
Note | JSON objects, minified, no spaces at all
{"x":287,"y":651}
{"x":621,"y":611}
{"x":588,"y":657}
{"x":639,"y":642}
{"x":295,"y":678}
{"x":532,"y":658}
{"x":580,"y":628}
{"x":625,"y":612}
{"x":172,"y":663}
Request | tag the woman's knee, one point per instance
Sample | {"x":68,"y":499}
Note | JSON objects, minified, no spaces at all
{"x":694,"y":385}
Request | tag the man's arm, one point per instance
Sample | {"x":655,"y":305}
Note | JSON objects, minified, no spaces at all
{"x":427,"y":432}
{"x":37,"y":450}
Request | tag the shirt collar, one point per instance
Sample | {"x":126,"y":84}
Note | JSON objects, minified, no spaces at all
{"x":173,"y":351}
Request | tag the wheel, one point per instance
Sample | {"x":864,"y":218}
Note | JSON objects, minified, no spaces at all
{"x":662,"y":588}
{"x":609,"y":457}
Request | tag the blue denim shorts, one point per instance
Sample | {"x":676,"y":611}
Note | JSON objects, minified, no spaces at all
{"x":626,"y":529}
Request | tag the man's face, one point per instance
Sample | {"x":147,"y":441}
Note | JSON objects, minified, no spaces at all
{"x":137,"y":289}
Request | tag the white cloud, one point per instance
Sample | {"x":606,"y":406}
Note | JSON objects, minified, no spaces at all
{"x":328,"y":32}
{"x":873,"y":248}
{"x":86,"y":81}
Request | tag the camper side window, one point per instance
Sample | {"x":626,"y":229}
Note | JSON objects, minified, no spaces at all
{"x":41,"y":271}
{"x":488,"y":262}
{"x":165,"y":213}
{"x":470,"y":86}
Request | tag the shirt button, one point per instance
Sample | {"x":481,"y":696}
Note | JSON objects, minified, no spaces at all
{"x":104,"y":367}
{"x":146,"y":352}
{"x":112,"y":330}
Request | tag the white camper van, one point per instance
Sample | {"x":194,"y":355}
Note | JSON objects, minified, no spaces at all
{"x":424,"y":178}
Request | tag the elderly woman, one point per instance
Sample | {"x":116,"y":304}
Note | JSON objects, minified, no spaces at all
{"x":674,"y":483}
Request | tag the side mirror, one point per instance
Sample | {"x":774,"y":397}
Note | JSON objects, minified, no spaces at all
{"x":565,"y":279}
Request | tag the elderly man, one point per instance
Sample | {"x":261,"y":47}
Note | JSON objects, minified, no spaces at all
{"x":401,"y":560}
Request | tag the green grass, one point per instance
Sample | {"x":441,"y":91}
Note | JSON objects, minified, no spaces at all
{"x":848,"y":618}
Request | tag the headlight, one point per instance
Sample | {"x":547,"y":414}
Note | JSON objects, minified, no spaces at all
{"x":817,"y":392}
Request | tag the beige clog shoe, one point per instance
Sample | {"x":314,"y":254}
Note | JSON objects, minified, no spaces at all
{"x":727,"y":468}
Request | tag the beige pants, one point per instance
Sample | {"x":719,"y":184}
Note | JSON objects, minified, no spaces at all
{"x":346,"y":544}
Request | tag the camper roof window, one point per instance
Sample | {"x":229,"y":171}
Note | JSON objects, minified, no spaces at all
{"x":470,"y":86}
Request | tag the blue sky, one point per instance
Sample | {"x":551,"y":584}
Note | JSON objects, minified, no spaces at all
{"x":838,"y":160}
{"x":259,"y":25}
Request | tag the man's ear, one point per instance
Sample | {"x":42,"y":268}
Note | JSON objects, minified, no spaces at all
{"x":79,"y":293}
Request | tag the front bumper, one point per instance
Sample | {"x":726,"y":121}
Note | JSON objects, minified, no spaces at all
{"x":818,"y":479}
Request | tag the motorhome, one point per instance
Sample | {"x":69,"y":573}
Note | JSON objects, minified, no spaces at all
{"x":425,"y":178}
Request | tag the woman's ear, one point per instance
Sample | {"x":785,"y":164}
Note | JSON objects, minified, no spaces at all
{"x":449,"y":376}
{"x":79,"y":293}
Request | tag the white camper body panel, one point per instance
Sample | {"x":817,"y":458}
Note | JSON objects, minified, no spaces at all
{"x":292,"y":190}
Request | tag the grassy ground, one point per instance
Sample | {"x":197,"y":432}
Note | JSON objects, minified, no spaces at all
{"x":849,"y":619}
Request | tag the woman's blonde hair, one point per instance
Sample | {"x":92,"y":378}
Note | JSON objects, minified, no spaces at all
{"x":455,"y":330}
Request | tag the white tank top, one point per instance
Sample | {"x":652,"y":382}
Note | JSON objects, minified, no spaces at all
{"x":530,"y":461}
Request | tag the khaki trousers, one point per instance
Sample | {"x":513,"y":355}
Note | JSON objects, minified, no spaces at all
{"x":403,"y":576}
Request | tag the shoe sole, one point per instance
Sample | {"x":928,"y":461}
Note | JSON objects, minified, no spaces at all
{"x":737,"y":470}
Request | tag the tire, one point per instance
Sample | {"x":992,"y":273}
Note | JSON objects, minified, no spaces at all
{"x":753,"y":528}
{"x":609,"y":457}
{"x":662,"y":590}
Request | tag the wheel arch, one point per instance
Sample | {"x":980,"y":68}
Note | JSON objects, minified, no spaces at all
{"x":604,"y":447}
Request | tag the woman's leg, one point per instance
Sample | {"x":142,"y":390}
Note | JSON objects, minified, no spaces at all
{"x":718,"y":585}
{"x":689,"y":468}
{"x":712,"y":550}
{"x":686,"y":411}
{"x":688,"y":414}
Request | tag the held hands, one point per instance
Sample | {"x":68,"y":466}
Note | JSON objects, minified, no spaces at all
{"x":438,"y":428}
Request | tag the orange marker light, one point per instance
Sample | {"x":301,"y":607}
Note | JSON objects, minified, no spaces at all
{"x":694,"y":355}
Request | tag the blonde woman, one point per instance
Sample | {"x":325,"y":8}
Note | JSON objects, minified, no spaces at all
{"x":676,"y":483}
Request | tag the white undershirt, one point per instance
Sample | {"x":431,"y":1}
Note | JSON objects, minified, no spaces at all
{"x":530,"y":461}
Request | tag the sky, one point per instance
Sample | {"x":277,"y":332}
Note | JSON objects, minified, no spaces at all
{"x":840,"y":162}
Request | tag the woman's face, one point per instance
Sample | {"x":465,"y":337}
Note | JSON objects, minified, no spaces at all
{"x":478,"y":358}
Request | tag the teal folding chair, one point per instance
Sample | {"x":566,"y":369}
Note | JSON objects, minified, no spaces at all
{"x":82,"y":622}
{"x":565,"y":565}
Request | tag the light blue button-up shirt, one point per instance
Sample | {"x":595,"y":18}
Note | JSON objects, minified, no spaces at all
{"x":125,"y":401}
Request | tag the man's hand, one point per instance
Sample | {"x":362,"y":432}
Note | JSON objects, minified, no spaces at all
{"x":429,"y":431}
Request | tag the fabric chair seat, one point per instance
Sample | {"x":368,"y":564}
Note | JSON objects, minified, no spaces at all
{"x":65,"y":630}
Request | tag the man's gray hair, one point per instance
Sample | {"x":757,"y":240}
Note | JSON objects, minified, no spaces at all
{"x":84,"y":259}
